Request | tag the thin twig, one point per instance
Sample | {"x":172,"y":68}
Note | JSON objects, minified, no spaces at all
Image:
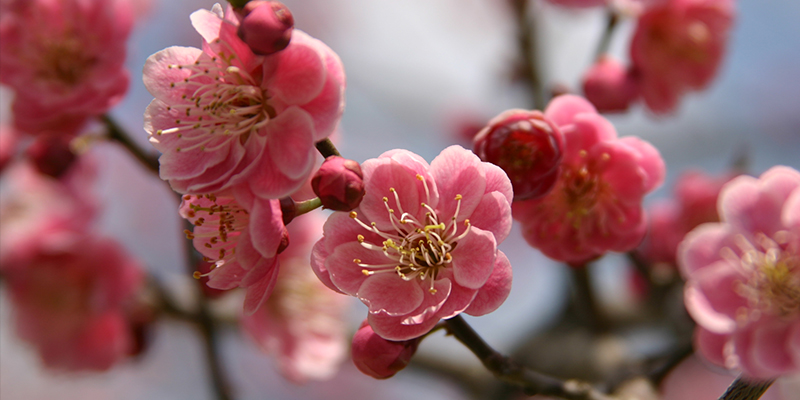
{"x":586,"y":299}
{"x":612,"y":20}
{"x":117,"y":133}
{"x":527,"y":45}
{"x":742,"y":389}
{"x":327,"y":149}
{"x":507,"y":370}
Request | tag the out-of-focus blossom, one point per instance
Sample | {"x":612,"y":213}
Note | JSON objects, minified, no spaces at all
{"x":693,"y":380}
{"x":69,"y":302}
{"x":339,"y":184}
{"x":743,"y":276}
{"x":223,"y":116}
{"x":64,"y":59}
{"x":36,"y":208}
{"x":423,"y":243}
{"x":242,"y":237}
{"x":596,"y":204}
{"x":302,"y":322}
{"x":9,"y":141}
{"x":528,"y":146}
{"x":378,"y":357}
{"x":695,"y":203}
{"x":677,"y":47}
{"x":51,"y":154}
{"x":266,"y":26}
{"x":608,"y":86}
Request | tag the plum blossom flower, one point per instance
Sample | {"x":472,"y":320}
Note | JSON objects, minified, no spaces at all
{"x":223,"y":116}
{"x":422,"y":245}
{"x":302,"y":323}
{"x":677,"y":47}
{"x":70,"y":302}
{"x":596,"y":204}
{"x":64,"y":59}
{"x":743,"y":276}
{"x":609,"y":86}
{"x":243,"y":253}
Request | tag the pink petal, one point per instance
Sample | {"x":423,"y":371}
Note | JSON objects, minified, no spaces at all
{"x":458,"y":171}
{"x":650,"y":160}
{"x":158,"y":77}
{"x":246,"y":254}
{"x":496,"y":289}
{"x":711,"y":298}
{"x":586,"y":131}
{"x":290,"y":143}
{"x":389,"y":293}
{"x":266,"y":226}
{"x":745,"y":204}
{"x":701,"y":247}
{"x":226,"y":277}
{"x":207,"y":24}
{"x":563,"y":109}
{"x":791,"y":211}
{"x":711,"y":345}
{"x":473,"y":258}
{"x":327,"y":107}
{"x":497,"y":181}
{"x":381,"y":175}
{"x":259,"y":291}
{"x":345,"y":272}
{"x":297,"y":73}
{"x":392,"y":328}
{"x":493,"y":214}
{"x":770,"y":348}
{"x":318,"y":256}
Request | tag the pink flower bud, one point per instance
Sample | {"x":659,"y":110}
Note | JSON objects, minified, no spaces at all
{"x":378,"y":357}
{"x":527,"y":146}
{"x":609,"y":86}
{"x":339,"y":184}
{"x":266,"y":26}
{"x":51,"y":155}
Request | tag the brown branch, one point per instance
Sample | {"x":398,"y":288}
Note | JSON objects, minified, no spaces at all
{"x":612,"y":20}
{"x":507,"y":370}
{"x":117,"y":134}
{"x":742,"y":389}
{"x":527,"y":45}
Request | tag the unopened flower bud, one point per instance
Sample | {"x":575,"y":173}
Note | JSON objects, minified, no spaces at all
{"x":266,"y":26}
{"x":51,"y":155}
{"x":527,"y":146}
{"x":339,"y":184}
{"x":609,"y":86}
{"x":378,"y":357}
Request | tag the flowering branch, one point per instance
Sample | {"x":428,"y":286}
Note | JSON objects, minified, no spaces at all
{"x":509,"y":371}
{"x":742,"y":389}
{"x":116,"y":133}
{"x":526,"y":42}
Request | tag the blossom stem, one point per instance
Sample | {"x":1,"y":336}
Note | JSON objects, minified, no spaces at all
{"x":238,"y":3}
{"x":526,"y":43}
{"x":612,"y":20}
{"x":586,"y":299}
{"x":327,"y":149}
{"x":118,"y":134}
{"x":306,"y":206}
{"x":742,"y":389}
{"x":507,"y":370}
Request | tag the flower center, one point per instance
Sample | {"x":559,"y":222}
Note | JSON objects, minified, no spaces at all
{"x":219,"y":222}
{"x":415,"y":248}
{"x":222,"y":102}
{"x":772,"y":266}
{"x":582,"y":190}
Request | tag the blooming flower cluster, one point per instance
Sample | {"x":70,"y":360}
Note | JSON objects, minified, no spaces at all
{"x":743,"y":276}
{"x":422,"y":245}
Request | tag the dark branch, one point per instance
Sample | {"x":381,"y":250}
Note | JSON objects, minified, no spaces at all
{"x":742,"y":389}
{"x":116,"y":133}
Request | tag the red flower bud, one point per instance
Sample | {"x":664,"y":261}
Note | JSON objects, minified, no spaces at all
{"x":339,"y":184}
{"x":51,"y":155}
{"x":378,"y":357}
{"x":609,"y":86}
{"x":266,"y":26}
{"x":527,"y":146}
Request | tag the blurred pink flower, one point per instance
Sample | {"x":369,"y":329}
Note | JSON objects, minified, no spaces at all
{"x":302,"y":322}
{"x":224,"y":116}
{"x":609,"y":86}
{"x":64,"y":59}
{"x":677,"y":47}
{"x":695,"y":203}
{"x":244,"y":253}
{"x":596,"y":204}
{"x":378,"y":357}
{"x":422,"y":245}
{"x":37,"y":210}
{"x":69,"y":302}
{"x":743,"y":276}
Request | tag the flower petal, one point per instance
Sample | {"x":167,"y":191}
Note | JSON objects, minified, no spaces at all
{"x":296,"y":74}
{"x":496,"y":289}
{"x":458,"y":171}
{"x":473,"y":258}
{"x":389,"y":293}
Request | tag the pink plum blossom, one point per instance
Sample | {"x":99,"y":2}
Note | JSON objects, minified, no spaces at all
{"x":609,"y":86}
{"x":422,"y":245}
{"x":64,"y":59}
{"x":695,"y":203}
{"x":224,"y":116}
{"x":378,"y":357}
{"x":70,"y":302}
{"x":596,"y":204}
{"x":743,"y":276}
{"x":244,"y":253}
{"x":677,"y":47}
{"x":302,"y":323}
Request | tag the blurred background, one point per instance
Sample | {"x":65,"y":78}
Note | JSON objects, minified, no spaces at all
{"x":416,"y":70}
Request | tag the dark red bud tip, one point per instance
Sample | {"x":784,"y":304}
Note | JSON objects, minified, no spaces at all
{"x":51,"y":155}
{"x":288,"y":209}
{"x":339,"y":184}
{"x":528,"y":146}
{"x":266,"y":26}
{"x":378,"y":357}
